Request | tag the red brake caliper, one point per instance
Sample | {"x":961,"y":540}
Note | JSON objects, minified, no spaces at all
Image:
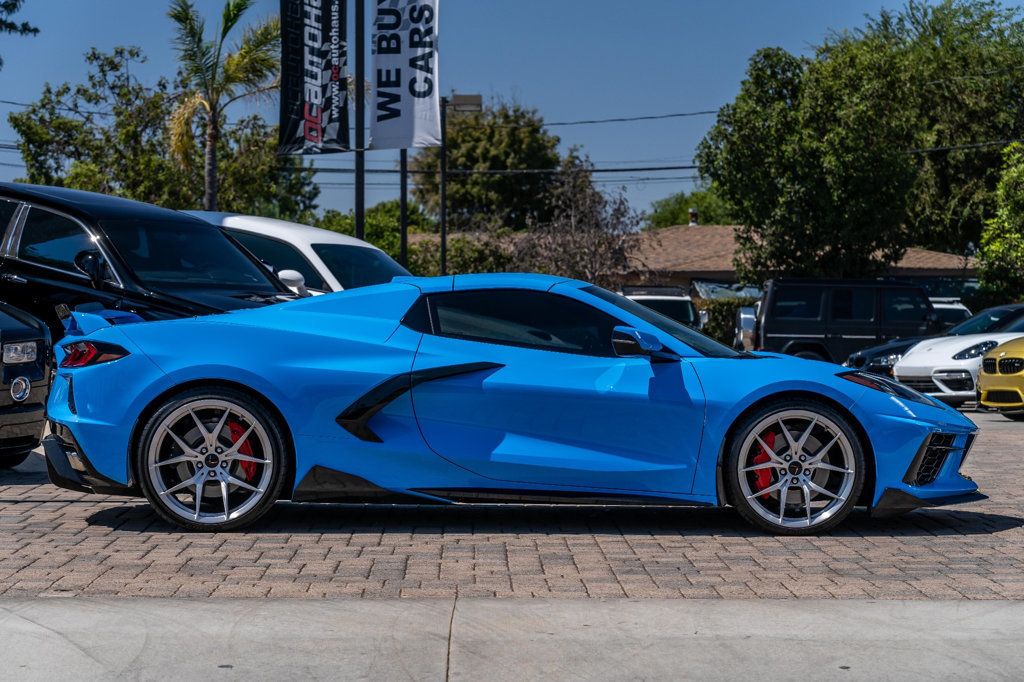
{"x":762,"y":477}
{"x":249,"y":468}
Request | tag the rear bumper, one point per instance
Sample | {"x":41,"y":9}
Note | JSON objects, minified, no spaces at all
{"x":895,"y":502}
{"x":69,"y":468}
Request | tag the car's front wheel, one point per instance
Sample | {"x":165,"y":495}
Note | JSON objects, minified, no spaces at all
{"x":212,"y":459}
{"x":1014,"y":416}
{"x":795,"y":468}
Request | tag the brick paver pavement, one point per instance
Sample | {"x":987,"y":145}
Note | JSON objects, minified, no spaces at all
{"x":55,"y":542}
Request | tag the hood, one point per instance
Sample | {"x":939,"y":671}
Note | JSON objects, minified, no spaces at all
{"x":946,"y":347}
{"x":1013,"y":348}
{"x":891,"y":348}
{"x":224,"y":300}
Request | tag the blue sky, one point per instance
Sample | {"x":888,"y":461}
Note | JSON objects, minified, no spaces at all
{"x":571,"y":59}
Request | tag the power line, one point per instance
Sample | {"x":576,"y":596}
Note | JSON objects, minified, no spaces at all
{"x":510,"y":171}
{"x":959,"y":147}
{"x":60,"y":107}
{"x":595,"y":121}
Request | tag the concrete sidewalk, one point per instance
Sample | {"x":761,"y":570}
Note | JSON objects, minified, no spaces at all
{"x":509,"y":639}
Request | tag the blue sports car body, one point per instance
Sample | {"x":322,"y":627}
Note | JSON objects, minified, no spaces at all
{"x":482,"y":388}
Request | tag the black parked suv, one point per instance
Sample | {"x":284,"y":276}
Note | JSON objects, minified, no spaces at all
{"x":24,"y":383}
{"x":63,"y":246}
{"x":830,"y":319}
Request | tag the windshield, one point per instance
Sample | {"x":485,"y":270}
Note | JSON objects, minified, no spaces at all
{"x":676,"y":308}
{"x":991,"y":320}
{"x":694,"y":339}
{"x":186,"y":253}
{"x":952,"y":315}
{"x":358,"y":266}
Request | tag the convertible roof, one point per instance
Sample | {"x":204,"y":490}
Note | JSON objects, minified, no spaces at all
{"x":89,"y":205}
{"x":491,"y":280}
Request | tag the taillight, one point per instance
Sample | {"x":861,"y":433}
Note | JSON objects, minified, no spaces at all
{"x":89,"y":353}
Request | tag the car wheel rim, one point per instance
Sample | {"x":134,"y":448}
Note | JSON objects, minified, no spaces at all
{"x":797,"y":469}
{"x":210,"y":461}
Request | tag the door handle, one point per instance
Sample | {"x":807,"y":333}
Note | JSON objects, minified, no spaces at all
{"x":14,"y":279}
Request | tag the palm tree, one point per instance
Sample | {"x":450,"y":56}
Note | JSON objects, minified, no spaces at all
{"x":215,"y":79}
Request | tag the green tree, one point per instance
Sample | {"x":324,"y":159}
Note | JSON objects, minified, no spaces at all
{"x":382,"y":227}
{"x":109,"y":134}
{"x":960,"y":62}
{"x":7,"y":25}
{"x":810,"y":155}
{"x":214,"y":79}
{"x":500,"y":138}
{"x":1002,"y":243}
{"x":590,"y":235}
{"x":712,"y":209}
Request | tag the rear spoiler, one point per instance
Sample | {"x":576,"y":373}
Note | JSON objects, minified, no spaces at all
{"x":86,"y":319}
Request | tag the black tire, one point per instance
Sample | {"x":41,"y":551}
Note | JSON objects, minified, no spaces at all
{"x":280,"y":462}
{"x":1014,"y":416}
{"x":810,"y":355}
{"x":9,"y":461}
{"x":852,"y":454}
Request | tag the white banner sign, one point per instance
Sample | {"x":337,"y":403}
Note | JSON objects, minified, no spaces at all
{"x":406,"y":89}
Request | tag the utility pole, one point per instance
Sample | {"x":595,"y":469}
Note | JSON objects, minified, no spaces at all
{"x":360,"y":139}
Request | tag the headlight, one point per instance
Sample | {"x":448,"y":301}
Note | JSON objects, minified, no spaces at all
{"x":885,"y":360}
{"x":884,"y":385}
{"x":17,"y":353}
{"x":976,"y":351}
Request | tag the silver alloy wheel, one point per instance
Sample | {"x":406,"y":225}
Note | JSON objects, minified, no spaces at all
{"x":196,"y":467}
{"x":811,"y":465}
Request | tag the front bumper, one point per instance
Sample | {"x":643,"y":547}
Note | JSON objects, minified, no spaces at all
{"x":69,"y":468}
{"x":1001,"y":392}
{"x":951,"y":385}
{"x":21,"y":427}
{"x":895,"y":502}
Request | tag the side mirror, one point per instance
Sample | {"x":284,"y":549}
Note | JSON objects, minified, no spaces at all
{"x":294,"y":280}
{"x":633,"y":343}
{"x":91,"y":265}
{"x":746,"y":326}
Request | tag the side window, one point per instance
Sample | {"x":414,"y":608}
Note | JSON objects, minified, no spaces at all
{"x":904,"y":305}
{"x":7,"y":211}
{"x":797,"y":303}
{"x":853,"y":304}
{"x":282,"y":256}
{"x":51,"y":239}
{"x":524,"y":318}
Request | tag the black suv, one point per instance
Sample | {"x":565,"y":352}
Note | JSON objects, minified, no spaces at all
{"x":24,"y":383}
{"x":65,"y":246}
{"x":830,"y":319}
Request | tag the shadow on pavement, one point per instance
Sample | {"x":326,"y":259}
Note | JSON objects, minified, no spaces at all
{"x":493,"y":520}
{"x":23,"y":475}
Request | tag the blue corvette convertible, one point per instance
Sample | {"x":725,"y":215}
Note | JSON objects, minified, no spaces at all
{"x":483,"y":389}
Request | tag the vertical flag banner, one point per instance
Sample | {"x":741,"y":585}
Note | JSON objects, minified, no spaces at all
{"x":314,"y":77}
{"x":406,"y":109}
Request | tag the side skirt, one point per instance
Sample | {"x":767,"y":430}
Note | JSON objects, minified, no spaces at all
{"x":322,"y":484}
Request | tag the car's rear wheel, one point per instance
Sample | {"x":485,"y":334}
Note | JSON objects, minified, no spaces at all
{"x":810,"y":355}
{"x":9,"y":461}
{"x":795,"y":468}
{"x":212,"y":459}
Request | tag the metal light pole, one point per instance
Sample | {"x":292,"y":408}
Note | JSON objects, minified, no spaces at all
{"x":360,"y":139}
{"x":403,"y":206}
{"x":458,"y":103}
{"x":444,"y":186}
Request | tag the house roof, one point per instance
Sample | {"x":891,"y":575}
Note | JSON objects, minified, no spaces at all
{"x":707,"y":251}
